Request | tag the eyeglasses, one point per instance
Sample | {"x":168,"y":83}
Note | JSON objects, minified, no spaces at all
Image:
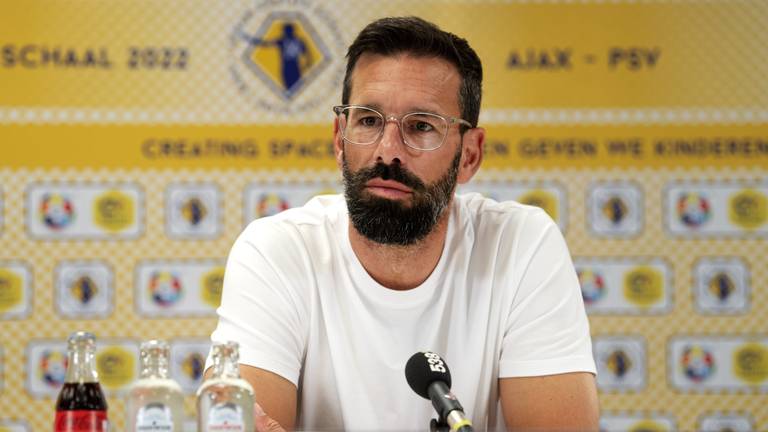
{"x":419,"y":130}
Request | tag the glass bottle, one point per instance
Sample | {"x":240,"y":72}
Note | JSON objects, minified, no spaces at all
{"x":81,"y":406}
{"x":155,"y":401}
{"x":225,"y":401}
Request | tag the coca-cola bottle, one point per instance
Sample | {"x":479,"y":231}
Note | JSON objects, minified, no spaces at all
{"x":81,"y":406}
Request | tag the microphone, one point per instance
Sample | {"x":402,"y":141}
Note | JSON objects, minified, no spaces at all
{"x":428,"y":375}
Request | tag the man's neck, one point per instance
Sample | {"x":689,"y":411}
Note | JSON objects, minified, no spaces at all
{"x":401,"y":267}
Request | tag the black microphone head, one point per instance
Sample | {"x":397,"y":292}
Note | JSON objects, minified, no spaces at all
{"x":424,"y":368}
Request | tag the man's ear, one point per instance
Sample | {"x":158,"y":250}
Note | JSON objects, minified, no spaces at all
{"x":472,"y":154}
{"x":338,"y":143}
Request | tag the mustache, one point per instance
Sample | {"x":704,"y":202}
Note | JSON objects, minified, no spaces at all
{"x":393,"y":172}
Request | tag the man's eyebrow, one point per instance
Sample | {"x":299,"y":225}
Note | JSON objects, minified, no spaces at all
{"x":375,"y":106}
{"x":413,"y":109}
{"x":424,"y":110}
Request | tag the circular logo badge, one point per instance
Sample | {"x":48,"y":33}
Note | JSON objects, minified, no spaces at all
{"x":750,"y":363}
{"x":619,"y":363}
{"x":192,"y":366}
{"x":194,"y":211}
{"x":615,"y":209}
{"x":698,"y":363}
{"x":285,"y":56}
{"x":113,"y":211}
{"x":592,"y":285}
{"x":11,"y":290}
{"x":84,"y":289}
{"x":643,"y":286}
{"x":165,"y":288}
{"x":543,"y":199}
{"x":115,"y":366}
{"x":748,"y":209}
{"x":52,"y":368}
{"x":721,"y":286}
{"x":693,"y":209}
{"x":56,"y":211}
{"x":212,"y":283}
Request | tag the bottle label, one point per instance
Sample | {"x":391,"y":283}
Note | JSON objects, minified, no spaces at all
{"x":226,"y":417}
{"x":81,"y":421}
{"x":154,"y":417}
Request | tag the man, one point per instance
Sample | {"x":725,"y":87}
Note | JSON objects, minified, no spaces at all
{"x":328,"y":301}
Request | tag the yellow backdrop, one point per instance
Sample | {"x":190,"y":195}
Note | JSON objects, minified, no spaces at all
{"x":138,"y":138}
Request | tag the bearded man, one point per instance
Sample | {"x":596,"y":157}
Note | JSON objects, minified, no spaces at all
{"x":328,"y":301}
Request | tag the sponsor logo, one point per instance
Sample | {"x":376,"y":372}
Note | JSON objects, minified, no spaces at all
{"x":748,"y":209}
{"x":726,"y":423}
{"x":697,"y":363}
{"x":721,"y":286}
{"x":618,"y":363}
{"x":750,"y":363}
{"x":285,"y":52}
{"x":11,"y":290}
{"x":693,"y":209}
{"x":284,"y":47}
{"x":52,"y":368}
{"x":84,"y":289}
{"x":192,"y":366}
{"x":643,"y":286}
{"x":543,"y":199}
{"x":194,"y":211}
{"x":178,"y":287}
{"x":116,"y":367}
{"x":165,"y":288}
{"x":592,"y":285}
{"x":615,"y":209}
{"x":56,"y":211}
{"x":212,"y":283}
{"x":83,"y":211}
{"x":270,"y":204}
{"x":188,"y":363}
{"x":114,"y":211}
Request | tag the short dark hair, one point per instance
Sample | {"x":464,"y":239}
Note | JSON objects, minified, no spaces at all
{"x":415,"y":36}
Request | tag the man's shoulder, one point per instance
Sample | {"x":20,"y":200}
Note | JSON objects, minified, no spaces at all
{"x":479,"y":208}
{"x":317,"y":214}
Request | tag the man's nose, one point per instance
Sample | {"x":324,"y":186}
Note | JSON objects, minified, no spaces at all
{"x":391,"y":146}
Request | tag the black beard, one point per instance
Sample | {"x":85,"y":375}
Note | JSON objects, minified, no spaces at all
{"x":393,"y":222}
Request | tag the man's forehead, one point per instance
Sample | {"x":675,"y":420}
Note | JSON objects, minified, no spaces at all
{"x":436,"y":65}
{"x":433,"y":72}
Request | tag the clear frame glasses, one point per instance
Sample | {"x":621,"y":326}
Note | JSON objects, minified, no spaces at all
{"x":362,"y":125}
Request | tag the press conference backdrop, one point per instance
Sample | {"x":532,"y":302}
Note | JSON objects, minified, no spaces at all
{"x":138,"y":139}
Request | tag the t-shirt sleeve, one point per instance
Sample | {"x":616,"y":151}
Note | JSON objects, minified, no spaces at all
{"x":546,"y":331}
{"x":262,"y":306}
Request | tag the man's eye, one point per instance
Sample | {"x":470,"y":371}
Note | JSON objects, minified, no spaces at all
{"x":369,"y":121}
{"x":423,"y":127}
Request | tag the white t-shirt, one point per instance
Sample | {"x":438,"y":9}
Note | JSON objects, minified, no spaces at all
{"x":503,"y":301}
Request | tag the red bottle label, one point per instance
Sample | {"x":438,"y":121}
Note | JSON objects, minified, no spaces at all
{"x":81,"y":421}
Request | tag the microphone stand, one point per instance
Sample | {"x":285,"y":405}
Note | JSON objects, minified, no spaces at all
{"x":439,"y":426}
